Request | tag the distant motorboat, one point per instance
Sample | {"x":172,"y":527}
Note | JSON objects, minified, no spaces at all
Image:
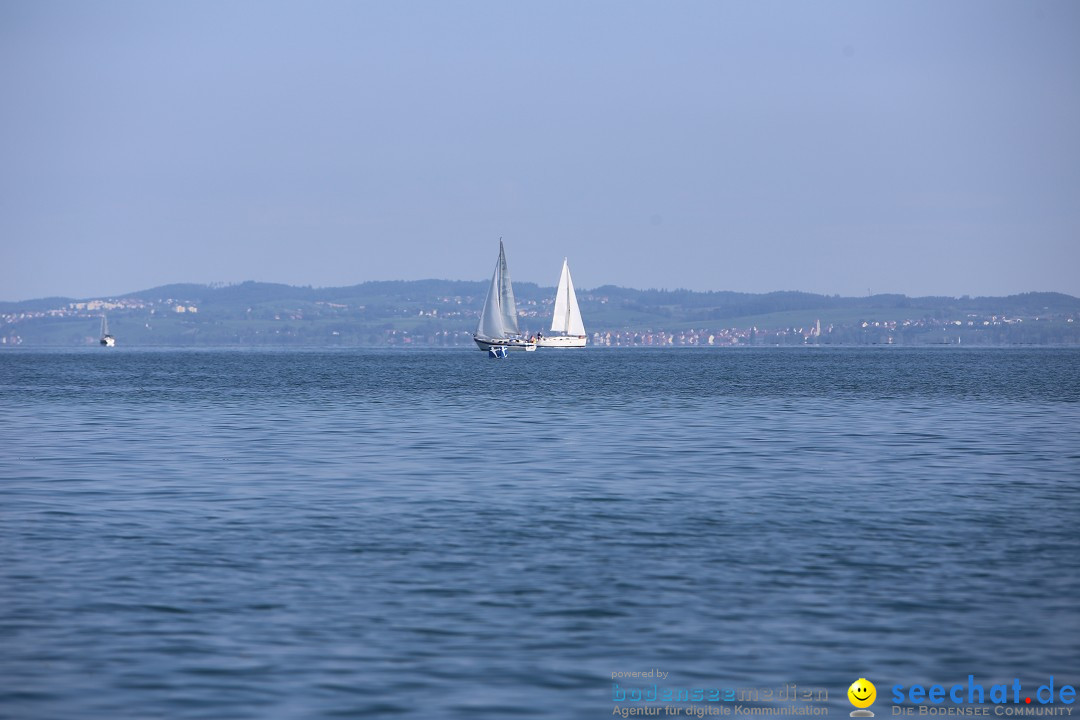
{"x":107,"y":340}
{"x":498,"y":325}
{"x":566,"y":324}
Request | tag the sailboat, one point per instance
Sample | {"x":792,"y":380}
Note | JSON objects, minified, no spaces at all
{"x":498,"y":327}
{"x":566,"y":325}
{"x":106,"y":339}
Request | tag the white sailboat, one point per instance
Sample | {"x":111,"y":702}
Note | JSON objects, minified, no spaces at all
{"x":106,"y":339}
{"x":498,"y":327}
{"x":566,"y":325}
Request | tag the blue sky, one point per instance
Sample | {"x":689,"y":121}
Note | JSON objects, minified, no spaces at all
{"x":832,"y":147}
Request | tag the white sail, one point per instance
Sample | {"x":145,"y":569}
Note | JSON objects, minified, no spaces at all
{"x":567,"y":317}
{"x":498,"y":319}
{"x":490,"y":324}
{"x":507,"y":306}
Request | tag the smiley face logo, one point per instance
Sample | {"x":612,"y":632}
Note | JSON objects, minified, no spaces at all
{"x":862,"y":693}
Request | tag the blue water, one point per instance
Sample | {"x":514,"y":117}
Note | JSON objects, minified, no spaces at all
{"x":196,"y":534}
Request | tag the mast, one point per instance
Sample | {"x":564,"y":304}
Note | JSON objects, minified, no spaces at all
{"x":564,"y":279}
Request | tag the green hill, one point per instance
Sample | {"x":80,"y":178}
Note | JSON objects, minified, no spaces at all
{"x":444,"y":312}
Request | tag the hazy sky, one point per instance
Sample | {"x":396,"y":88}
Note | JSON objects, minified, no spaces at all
{"x":911,"y":147}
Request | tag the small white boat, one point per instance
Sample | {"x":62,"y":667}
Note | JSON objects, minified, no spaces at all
{"x":106,"y":339}
{"x":568,"y":330}
{"x":496,"y":351}
{"x":498,"y":327}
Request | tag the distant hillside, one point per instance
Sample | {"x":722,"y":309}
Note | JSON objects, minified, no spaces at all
{"x":444,"y":312}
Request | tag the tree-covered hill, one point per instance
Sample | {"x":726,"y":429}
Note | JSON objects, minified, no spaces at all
{"x":444,"y":312}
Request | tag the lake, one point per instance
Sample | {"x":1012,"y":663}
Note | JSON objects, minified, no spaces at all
{"x":435,"y":534}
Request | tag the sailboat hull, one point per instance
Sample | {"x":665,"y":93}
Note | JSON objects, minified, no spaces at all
{"x":508,"y":343}
{"x":562,"y":341}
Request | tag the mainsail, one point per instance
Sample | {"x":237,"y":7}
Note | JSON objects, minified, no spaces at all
{"x":499,"y":316}
{"x":567,"y":316}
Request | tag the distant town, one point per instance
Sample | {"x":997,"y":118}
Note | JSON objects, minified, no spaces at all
{"x":444,"y":313}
